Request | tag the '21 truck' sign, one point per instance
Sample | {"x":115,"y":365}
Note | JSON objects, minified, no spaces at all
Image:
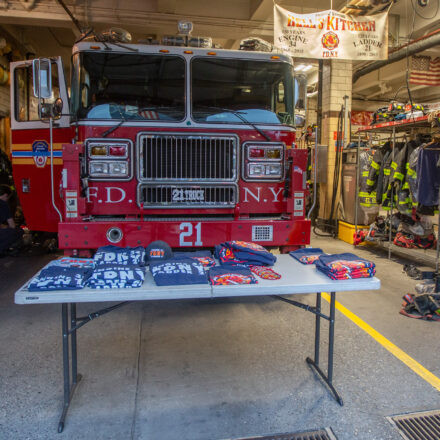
{"x":115,"y":194}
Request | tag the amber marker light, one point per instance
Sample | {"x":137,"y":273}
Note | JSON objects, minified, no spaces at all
{"x":164,"y":51}
{"x":95,"y":47}
{"x":275,"y":57}
{"x":189,"y":52}
{"x":212,"y":53}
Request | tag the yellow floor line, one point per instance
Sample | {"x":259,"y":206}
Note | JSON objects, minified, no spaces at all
{"x":393,"y":349}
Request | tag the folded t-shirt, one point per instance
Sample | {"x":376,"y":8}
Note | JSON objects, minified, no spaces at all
{"x":203,"y":257}
{"x":116,"y":276}
{"x":180,"y":271}
{"x":244,"y":250}
{"x":60,"y":278}
{"x":120,"y":255}
{"x":228,"y":256}
{"x":348,"y":275}
{"x":307,"y":255}
{"x":345,"y":266}
{"x":229,"y":275}
{"x":73,"y":262}
{"x":343,"y":262}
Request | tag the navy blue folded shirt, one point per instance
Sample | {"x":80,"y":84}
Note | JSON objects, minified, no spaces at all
{"x":230,"y":275}
{"x":120,"y":255}
{"x":116,"y":276}
{"x":203,"y":257}
{"x":307,"y":255}
{"x":241,"y":253}
{"x":60,"y":278}
{"x":180,"y":271}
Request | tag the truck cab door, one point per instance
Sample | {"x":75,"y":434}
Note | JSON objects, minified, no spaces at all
{"x":31,"y":140}
{"x":24,"y":103}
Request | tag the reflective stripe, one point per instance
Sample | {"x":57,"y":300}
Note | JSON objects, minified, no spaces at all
{"x":394,"y":165}
{"x":365,"y":173}
{"x":375,"y":165}
{"x":411,"y":172}
{"x":399,"y":176}
{"x":370,"y":182}
{"x":405,"y":185}
{"x":387,"y":171}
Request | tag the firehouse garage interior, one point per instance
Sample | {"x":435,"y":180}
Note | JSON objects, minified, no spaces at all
{"x":125,"y":123}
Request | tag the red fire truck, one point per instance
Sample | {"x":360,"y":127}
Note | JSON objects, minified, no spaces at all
{"x":191,"y":145}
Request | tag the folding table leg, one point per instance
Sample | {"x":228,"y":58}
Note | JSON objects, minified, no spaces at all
{"x":331,"y":339}
{"x":69,"y":359}
{"x":317,"y":327}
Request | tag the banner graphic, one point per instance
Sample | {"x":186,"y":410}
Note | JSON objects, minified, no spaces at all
{"x":331,"y":34}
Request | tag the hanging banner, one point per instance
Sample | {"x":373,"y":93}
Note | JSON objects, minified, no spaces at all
{"x":331,"y":34}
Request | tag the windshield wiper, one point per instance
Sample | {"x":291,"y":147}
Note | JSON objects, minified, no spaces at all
{"x":115,"y":127}
{"x":239,"y":116}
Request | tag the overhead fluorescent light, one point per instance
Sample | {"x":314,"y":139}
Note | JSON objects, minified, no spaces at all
{"x":299,"y":67}
{"x":308,"y":67}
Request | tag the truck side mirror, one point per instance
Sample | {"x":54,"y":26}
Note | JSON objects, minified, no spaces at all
{"x":42,"y":77}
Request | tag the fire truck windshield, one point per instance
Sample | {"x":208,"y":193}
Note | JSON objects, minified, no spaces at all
{"x":262,"y":91}
{"x":128,"y":86}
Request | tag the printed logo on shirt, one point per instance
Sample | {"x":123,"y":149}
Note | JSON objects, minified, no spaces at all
{"x":231,"y":279}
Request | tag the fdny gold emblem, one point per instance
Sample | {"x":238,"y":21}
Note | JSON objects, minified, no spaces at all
{"x":330,"y":41}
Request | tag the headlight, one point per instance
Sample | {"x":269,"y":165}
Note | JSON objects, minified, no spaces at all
{"x":263,"y":161}
{"x":273,"y":170}
{"x":109,"y":159}
{"x":264,"y":170}
{"x":108,"y":169}
{"x":98,"y":168}
{"x":256,"y":170}
{"x":118,"y":168}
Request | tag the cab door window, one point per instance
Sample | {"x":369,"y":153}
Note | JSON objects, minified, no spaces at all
{"x":26,"y":104}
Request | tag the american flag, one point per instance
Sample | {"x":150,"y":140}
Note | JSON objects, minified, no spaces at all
{"x":425,"y":71}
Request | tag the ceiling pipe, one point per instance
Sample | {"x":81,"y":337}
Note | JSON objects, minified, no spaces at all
{"x":416,"y":46}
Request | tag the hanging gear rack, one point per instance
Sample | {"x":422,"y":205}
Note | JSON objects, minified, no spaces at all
{"x":397,"y":130}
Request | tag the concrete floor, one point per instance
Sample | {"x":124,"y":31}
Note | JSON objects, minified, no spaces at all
{"x":212,"y":370}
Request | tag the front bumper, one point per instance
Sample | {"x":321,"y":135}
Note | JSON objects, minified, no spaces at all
{"x":91,"y":235}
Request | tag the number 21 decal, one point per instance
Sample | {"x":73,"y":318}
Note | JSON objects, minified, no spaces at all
{"x":187,"y":232}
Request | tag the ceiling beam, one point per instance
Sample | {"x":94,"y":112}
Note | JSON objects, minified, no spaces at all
{"x":260,"y":10}
{"x":47,"y":14}
{"x":167,"y":6}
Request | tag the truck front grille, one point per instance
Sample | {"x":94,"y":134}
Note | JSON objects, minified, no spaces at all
{"x":180,"y":157}
{"x":187,"y":196}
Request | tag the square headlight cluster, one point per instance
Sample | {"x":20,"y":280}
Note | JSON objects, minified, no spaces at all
{"x":263,"y":162}
{"x":109,"y":159}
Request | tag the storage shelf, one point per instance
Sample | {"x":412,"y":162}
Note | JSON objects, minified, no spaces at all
{"x":427,"y":257}
{"x":386,"y":127}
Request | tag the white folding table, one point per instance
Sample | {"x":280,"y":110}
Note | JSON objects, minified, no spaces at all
{"x":296,"y":278}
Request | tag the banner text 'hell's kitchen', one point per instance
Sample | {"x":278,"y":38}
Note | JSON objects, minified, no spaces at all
{"x":330,"y":34}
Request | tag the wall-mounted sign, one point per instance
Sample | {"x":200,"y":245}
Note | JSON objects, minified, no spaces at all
{"x":331,"y":34}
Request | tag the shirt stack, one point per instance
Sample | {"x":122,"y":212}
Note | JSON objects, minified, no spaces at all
{"x":242,"y":253}
{"x":60,"y":278}
{"x":118,"y":268}
{"x":345,"y":266}
{"x":178,"y":271}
